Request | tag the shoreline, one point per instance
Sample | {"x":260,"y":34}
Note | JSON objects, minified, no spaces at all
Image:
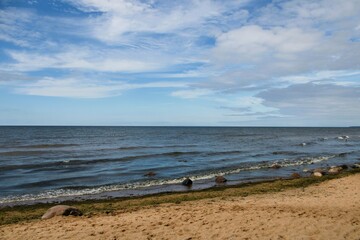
{"x":311,"y":208}
{"x":90,"y":207}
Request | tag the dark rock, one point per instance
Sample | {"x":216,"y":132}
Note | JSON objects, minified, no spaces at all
{"x":344,"y":166}
{"x":355,"y":166}
{"x":342,"y":154}
{"x":72,"y":211}
{"x":187,"y":182}
{"x":150,"y":174}
{"x":275,"y":166}
{"x":59,"y":210}
{"x":295,"y":175}
{"x":278,"y":152}
{"x":220,"y":179}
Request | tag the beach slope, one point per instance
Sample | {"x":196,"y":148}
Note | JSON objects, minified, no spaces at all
{"x":329,"y":210}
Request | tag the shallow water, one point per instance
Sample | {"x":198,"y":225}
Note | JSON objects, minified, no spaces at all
{"x":51,"y":162}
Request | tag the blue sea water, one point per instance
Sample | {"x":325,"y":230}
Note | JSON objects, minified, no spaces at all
{"x":48,"y":163}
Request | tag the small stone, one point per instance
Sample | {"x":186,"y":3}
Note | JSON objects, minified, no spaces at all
{"x":150,"y":174}
{"x":355,"y":166}
{"x":295,"y":175}
{"x":320,"y":170}
{"x":317,"y":174}
{"x":220,"y":179}
{"x":187,"y":182}
{"x":334,"y":170}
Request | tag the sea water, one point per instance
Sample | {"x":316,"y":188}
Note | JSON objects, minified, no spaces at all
{"x":52,"y":163}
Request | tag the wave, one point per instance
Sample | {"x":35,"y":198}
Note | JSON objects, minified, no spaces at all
{"x":22,"y":153}
{"x":73,"y":191}
{"x":291,"y":153}
{"x":73,"y":162}
{"x":152,"y":147}
{"x":48,"y":146}
{"x":93,"y":161}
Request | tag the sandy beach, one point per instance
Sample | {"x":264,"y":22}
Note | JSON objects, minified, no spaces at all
{"x":329,"y":210}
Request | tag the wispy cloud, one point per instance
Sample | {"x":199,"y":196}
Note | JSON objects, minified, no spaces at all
{"x":82,"y":58}
{"x":85,"y":88}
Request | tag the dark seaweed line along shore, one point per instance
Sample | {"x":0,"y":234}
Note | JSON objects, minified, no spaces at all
{"x":9,"y":215}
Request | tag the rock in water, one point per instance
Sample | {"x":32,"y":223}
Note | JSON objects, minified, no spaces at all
{"x":220,"y":179}
{"x":150,"y":174}
{"x":187,"y":182}
{"x":344,"y":166}
{"x":295,"y":175}
{"x":63,"y":210}
{"x":356,"y":166}
{"x":275,"y":166}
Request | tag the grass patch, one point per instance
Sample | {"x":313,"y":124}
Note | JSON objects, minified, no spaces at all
{"x":9,"y":215}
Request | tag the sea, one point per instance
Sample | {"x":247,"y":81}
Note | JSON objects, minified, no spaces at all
{"x":54,"y":164}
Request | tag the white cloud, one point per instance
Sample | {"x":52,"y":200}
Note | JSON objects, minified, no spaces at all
{"x":252,"y":43}
{"x":322,"y":76}
{"x":282,"y":42}
{"x":222,"y":49}
{"x":308,"y":103}
{"x":84,"y":58}
{"x":120,"y":17}
{"x":13,"y":27}
{"x":192,"y":93}
{"x":84,"y":88}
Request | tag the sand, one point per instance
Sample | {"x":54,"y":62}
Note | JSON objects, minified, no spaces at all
{"x":329,"y":210}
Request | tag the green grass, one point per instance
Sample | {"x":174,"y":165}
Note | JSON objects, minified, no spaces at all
{"x":9,"y":215}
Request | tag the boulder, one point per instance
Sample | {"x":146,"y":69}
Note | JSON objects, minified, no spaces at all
{"x":63,"y":210}
{"x":187,"y":182}
{"x":150,"y":174}
{"x":295,"y":175}
{"x":220,"y":179}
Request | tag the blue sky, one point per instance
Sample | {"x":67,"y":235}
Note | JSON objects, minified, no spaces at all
{"x":200,"y":62}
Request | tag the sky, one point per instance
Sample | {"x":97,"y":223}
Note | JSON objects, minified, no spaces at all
{"x":180,"y":62}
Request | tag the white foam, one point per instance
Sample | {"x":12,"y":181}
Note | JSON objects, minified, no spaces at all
{"x":138,"y":185}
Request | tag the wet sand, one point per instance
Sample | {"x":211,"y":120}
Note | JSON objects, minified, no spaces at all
{"x":329,"y":210}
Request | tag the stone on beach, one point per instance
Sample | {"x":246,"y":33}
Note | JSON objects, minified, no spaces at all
{"x":335,"y":170}
{"x":63,"y":210}
{"x":220,"y":179}
{"x":317,"y":174}
{"x":320,"y":170}
{"x":187,"y":182}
